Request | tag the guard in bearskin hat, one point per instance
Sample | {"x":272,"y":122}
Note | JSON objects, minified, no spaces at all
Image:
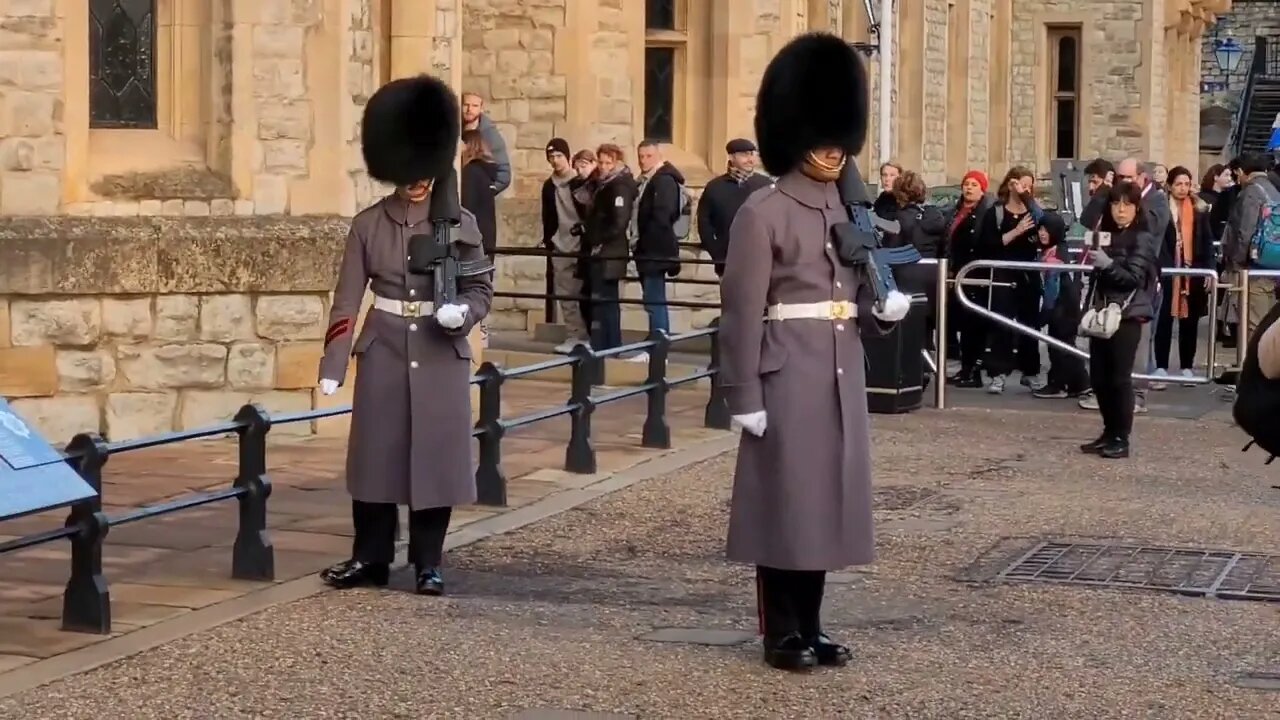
{"x":792,"y":358}
{"x":410,"y":438}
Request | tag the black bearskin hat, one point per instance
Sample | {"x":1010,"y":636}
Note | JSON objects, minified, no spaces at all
{"x":813,"y":94}
{"x":410,"y":130}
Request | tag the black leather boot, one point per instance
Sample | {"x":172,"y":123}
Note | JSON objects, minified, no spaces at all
{"x":355,"y":573}
{"x":830,"y":652}
{"x":791,"y":652}
{"x":430,"y":582}
{"x":1095,"y":447}
{"x":1115,"y":449}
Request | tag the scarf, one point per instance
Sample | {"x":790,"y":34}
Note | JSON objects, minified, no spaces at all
{"x":1185,"y":252}
{"x":739,"y":176}
{"x":962,"y":212}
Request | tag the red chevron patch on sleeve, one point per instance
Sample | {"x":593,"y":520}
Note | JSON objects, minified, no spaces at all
{"x":337,"y":330}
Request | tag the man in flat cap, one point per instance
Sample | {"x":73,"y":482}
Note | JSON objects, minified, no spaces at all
{"x":722,"y":197}
{"x":792,"y":358}
{"x":410,"y":438}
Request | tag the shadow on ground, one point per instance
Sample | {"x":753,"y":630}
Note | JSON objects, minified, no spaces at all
{"x":550,"y":616}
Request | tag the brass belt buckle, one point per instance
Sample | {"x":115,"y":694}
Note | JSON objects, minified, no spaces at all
{"x":411,"y":309}
{"x":841,"y":310}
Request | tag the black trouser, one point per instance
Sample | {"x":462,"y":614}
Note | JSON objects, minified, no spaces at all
{"x":789,"y":601}
{"x":1020,"y":303}
{"x":375,"y":534}
{"x":1188,"y":329}
{"x":1110,"y":367}
{"x":1066,"y":371}
{"x":973,"y":329}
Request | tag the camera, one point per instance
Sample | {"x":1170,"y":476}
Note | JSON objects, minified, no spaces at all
{"x":578,"y":230}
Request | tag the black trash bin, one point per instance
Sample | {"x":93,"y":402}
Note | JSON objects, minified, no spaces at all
{"x":895,"y":363}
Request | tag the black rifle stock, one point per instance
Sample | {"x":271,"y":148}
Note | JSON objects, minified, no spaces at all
{"x":436,"y":253}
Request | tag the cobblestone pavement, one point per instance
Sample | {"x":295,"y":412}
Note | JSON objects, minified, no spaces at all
{"x":551,"y":616}
{"x":162,"y":568}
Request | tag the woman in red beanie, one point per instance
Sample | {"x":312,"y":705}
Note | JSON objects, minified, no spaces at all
{"x":969,"y":330}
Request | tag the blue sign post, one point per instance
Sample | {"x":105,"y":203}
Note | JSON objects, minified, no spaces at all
{"x":33,"y":475}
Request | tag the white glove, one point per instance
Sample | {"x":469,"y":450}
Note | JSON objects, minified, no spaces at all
{"x":328,"y":387}
{"x":895,"y":307}
{"x":451,"y":316}
{"x":754,"y":423}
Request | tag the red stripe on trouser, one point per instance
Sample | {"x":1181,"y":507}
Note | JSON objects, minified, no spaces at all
{"x":760,"y":603}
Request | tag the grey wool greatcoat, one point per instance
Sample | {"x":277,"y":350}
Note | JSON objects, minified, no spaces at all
{"x":802,"y":492}
{"x":410,"y":438}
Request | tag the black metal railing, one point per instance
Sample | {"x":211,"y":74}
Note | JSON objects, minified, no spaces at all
{"x":1240,"y":121}
{"x":86,"y":598}
{"x":1269,"y":47}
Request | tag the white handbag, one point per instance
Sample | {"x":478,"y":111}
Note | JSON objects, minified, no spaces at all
{"x":1103,"y":323}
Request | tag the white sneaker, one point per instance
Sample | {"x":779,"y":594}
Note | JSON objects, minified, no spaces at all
{"x":1139,"y":405}
{"x":639,"y":357}
{"x":996,"y":387}
{"x":1156,"y":384}
{"x":567,"y":346}
{"x":1188,"y":374}
{"x":1088,"y":401}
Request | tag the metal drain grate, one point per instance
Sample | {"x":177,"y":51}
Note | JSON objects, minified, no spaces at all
{"x":1220,"y":574}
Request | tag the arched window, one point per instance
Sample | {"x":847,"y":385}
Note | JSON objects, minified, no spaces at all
{"x":1064,"y":78}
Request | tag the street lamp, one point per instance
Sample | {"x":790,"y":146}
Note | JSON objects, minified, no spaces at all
{"x":1227,"y":54}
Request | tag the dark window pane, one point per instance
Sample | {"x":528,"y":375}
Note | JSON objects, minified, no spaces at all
{"x":122,"y":82}
{"x":1066,"y":64}
{"x":659,"y":92}
{"x":1065,"y":129}
{"x":660,"y":14}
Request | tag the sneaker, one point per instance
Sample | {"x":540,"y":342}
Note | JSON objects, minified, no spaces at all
{"x":1032,"y":381}
{"x":953,"y":368}
{"x":1188,"y":374}
{"x":1139,"y":405}
{"x":1156,"y":384}
{"x":1088,"y":401}
{"x":997,"y":385}
{"x":1050,"y":392}
{"x":639,"y":357}
{"x":567,"y":346}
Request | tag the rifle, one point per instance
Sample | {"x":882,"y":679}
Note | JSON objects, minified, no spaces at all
{"x":436,"y":253}
{"x":858,"y":242}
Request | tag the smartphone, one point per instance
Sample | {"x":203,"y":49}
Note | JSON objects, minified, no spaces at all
{"x":1101,"y":240}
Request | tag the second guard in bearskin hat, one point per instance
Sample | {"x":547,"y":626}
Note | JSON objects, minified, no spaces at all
{"x":411,"y":424}
{"x":792,"y":359}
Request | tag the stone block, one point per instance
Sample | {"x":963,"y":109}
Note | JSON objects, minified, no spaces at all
{"x":171,"y":208}
{"x":290,"y":317}
{"x":195,"y":208}
{"x":28,"y":371}
{"x":285,"y":121}
{"x":287,"y":157}
{"x":222,"y":207}
{"x":81,"y":370}
{"x":201,"y":408}
{"x":105,"y":208}
{"x":177,"y":317}
{"x":5,"y":330}
{"x":135,"y":415}
{"x":251,"y":366}
{"x":297,"y":364}
{"x":61,"y":418}
{"x":127,"y":318}
{"x":29,"y":193}
{"x":277,"y":41}
{"x":128,"y":208}
{"x":196,"y":365}
{"x":224,"y":318}
{"x":150,"y":208}
{"x":270,"y":194}
{"x":55,"y":322}
{"x":243,"y":208}
{"x":287,"y":401}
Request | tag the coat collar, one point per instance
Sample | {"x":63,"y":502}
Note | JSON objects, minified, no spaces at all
{"x":405,"y":213}
{"x":810,"y":192}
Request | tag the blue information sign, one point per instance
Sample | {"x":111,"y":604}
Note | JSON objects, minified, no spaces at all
{"x":33,"y":475}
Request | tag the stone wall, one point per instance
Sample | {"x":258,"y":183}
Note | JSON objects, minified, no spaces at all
{"x":934,"y":139}
{"x":1246,"y":20}
{"x":978,"y":151}
{"x":136,"y":326}
{"x":31,"y":139}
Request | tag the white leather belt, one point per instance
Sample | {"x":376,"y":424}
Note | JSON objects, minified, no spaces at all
{"x":825,"y":310}
{"x":402,"y":308}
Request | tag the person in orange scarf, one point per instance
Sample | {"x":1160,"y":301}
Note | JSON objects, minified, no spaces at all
{"x":1188,"y":243}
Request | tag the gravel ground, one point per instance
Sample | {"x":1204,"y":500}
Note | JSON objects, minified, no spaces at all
{"x":548,"y":616}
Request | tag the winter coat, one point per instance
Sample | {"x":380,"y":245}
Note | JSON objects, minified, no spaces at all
{"x":498,"y":149}
{"x":656,"y":212}
{"x":606,"y":224}
{"x":716,"y":209}
{"x":478,"y":178}
{"x":1135,"y":269}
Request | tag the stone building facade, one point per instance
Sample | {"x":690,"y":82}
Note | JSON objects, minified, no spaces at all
{"x":183,"y":189}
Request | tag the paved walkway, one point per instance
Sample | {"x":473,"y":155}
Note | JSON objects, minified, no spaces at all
{"x":625,"y":604}
{"x":162,"y":568}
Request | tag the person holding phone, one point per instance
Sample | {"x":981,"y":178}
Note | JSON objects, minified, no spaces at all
{"x":1126,"y":271}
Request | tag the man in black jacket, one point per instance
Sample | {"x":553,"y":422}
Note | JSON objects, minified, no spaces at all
{"x":562,"y":234}
{"x":657,"y":250}
{"x":724,"y":195}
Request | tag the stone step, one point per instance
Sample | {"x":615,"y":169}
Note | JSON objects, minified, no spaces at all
{"x":618,"y":373}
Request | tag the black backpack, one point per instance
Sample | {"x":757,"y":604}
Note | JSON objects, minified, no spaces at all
{"x":1257,"y":405}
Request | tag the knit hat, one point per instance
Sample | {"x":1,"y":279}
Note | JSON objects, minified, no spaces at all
{"x":979,"y":176}
{"x":559,"y":145}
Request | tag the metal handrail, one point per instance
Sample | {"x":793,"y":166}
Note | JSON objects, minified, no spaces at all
{"x":1210,"y":276}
